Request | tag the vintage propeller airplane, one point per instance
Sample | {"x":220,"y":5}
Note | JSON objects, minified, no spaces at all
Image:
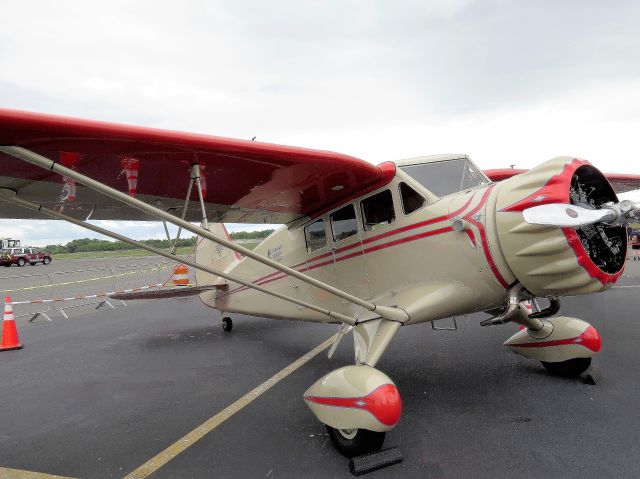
{"x":372,"y":248}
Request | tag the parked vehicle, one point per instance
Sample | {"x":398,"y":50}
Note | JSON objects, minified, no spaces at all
{"x":22,"y":256}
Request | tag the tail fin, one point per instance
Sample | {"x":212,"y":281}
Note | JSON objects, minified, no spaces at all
{"x":214,"y":255}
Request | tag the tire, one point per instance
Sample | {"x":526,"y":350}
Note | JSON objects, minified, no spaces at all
{"x":569,"y":368}
{"x":7,"y":264}
{"x":356,"y":442}
{"x":227,"y":324}
{"x":21,"y":262}
{"x":32,"y":264}
{"x":46,"y":260}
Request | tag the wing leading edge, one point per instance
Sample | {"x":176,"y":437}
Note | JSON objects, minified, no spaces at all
{"x":243,"y":181}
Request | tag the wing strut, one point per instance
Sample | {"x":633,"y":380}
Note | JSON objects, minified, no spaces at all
{"x":390,"y":313}
{"x":10,"y":196}
{"x":194,"y":178}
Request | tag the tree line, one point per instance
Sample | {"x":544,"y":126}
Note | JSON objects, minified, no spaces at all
{"x":91,"y":244}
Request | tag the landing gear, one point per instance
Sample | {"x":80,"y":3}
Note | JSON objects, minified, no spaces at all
{"x":557,"y":343}
{"x":227,"y":324}
{"x":569,"y":368}
{"x":355,"y":442}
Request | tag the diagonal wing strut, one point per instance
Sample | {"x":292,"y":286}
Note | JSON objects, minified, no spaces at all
{"x":385,"y":312}
{"x":10,"y":197}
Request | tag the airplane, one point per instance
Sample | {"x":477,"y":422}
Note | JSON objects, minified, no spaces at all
{"x":370,"y":248}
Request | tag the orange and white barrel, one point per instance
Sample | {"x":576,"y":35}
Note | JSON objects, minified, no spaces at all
{"x":181,"y":275}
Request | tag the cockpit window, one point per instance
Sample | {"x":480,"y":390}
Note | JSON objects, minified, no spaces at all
{"x":344,"y":223}
{"x":377,"y":210}
{"x":316,"y":236}
{"x":411,"y":199}
{"x":443,"y":178}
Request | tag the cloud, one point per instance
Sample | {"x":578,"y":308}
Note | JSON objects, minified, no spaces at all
{"x":504,"y":81}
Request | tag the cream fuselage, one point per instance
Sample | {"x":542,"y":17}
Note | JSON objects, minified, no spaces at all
{"x":418,"y":262}
{"x":455,"y":255}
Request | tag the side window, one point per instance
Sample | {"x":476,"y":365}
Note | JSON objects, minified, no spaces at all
{"x":411,"y":199}
{"x":344,"y":223}
{"x":315,"y":235}
{"x":377,"y":210}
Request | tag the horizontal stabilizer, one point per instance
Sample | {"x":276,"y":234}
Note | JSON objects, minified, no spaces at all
{"x":167,"y":293}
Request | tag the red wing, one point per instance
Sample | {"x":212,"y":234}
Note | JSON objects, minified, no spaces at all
{"x":244,"y":181}
{"x":620,"y":182}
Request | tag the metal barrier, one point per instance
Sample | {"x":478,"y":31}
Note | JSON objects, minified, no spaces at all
{"x":22,"y":287}
{"x":80,"y":288}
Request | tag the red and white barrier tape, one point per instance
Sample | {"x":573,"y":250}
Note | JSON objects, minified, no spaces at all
{"x":90,"y":296}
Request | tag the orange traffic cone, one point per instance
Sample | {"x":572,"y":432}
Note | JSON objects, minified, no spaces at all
{"x":9,"y":331}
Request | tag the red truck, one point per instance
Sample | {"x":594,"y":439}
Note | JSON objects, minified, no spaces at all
{"x":22,"y":256}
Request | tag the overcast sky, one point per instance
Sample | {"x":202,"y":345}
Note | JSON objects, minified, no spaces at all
{"x":507,"y":82}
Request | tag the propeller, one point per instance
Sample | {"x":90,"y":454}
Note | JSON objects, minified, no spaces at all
{"x":563,"y":215}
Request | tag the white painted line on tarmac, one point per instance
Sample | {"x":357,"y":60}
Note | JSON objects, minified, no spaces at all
{"x":210,"y":424}
{"x":627,"y":287}
{"x":6,"y":473}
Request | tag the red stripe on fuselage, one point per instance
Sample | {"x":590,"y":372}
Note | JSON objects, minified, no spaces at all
{"x":277,"y":275}
{"x":403,"y":229}
{"x":483,"y":238}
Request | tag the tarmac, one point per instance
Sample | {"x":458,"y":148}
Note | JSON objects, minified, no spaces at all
{"x":103,"y":393}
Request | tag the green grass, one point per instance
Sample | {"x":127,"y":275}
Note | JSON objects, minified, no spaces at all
{"x":121,"y":253}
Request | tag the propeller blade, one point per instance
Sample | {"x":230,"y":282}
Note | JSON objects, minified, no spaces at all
{"x":563,"y":215}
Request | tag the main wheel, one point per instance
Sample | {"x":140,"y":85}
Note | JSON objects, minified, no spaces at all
{"x":227,"y":324}
{"x":21,"y":261}
{"x":355,"y":442}
{"x":570,"y":367}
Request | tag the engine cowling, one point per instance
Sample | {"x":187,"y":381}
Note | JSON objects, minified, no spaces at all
{"x":355,"y":397}
{"x":551,"y":261}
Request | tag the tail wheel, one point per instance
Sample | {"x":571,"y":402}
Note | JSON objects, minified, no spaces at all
{"x":570,"y":367}
{"x":227,"y":324}
{"x":355,"y":442}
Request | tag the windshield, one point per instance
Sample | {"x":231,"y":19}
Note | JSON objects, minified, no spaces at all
{"x":445,"y":177}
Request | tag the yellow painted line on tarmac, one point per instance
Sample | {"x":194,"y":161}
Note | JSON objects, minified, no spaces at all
{"x":6,"y":473}
{"x":210,"y":424}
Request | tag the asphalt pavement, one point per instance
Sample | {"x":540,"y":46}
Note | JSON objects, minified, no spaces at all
{"x":100,"y":394}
